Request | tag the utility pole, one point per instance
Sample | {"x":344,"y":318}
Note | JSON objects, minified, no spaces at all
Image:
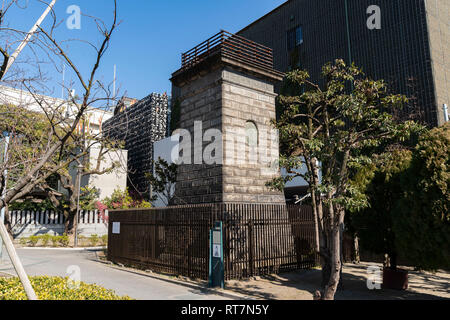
{"x":3,"y":232}
{"x":5,"y":175}
{"x":79,"y":171}
{"x":8,"y":243}
{"x":29,"y":35}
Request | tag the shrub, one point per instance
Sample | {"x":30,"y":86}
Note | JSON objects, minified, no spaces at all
{"x":34,"y":240}
{"x":23,"y":241}
{"x":81,"y":240}
{"x":121,"y":199}
{"x":55,"y":240}
{"x":64,"y":240}
{"x":422,"y":217}
{"x":45,"y":239}
{"x":105,"y":239}
{"x":55,"y":288}
{"x":408,"y":216}
{"x":93,"y":240}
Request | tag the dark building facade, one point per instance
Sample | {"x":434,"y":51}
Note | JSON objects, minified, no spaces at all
{"x":139,"y":124}
{"x":410,"y":50}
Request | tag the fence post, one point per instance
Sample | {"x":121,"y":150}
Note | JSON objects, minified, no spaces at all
{"x":190,"y":245}
{"x":251,"y":261}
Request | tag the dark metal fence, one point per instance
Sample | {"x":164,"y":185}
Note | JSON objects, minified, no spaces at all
{"x":258,"y":239}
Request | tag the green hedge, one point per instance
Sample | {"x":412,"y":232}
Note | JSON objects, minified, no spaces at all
{"x":55,"y":288}
{"x":45,"y":240}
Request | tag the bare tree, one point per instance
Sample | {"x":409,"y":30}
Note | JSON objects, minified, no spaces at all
{"x":46,"y":154}
{"x":88,"y":165}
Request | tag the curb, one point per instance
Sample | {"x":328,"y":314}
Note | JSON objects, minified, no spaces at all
{"x":8,"y":275}
{"x":191,"y":285}
{"x":64,"y":249}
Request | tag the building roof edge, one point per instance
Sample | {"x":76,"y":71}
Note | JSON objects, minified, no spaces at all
{"x":263,"y":17}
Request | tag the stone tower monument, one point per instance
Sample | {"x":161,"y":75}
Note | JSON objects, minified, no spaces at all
{"x":228,"y":147}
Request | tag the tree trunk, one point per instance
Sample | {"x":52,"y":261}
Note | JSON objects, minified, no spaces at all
{"x":356,"y":249}
{"x":326,"y":269}
{"x":72,"y":212}
{"x":335,"y":267}
{"x":341,"y":249}
{"x":8,"y":224}
{"x":70,"y":226}
{"x":336,"y":226}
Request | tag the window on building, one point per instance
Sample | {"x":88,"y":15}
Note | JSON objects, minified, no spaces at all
{"x":294,"y":37}
{"x":251,"y":134}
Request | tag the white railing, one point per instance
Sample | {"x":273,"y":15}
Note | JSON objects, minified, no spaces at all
{"x":27,"y":223}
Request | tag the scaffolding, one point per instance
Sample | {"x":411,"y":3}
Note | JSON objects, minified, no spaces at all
{"x":138,"y":126}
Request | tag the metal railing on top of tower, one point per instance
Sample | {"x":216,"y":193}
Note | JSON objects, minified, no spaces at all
{"x":229,"y":46}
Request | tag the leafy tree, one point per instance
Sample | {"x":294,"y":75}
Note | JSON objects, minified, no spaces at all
{"x":381,"y":184}
{"x":163,"y":181}
{"x":422,"y":217}
{"x":408,"y":198}
{"x":335,"y":130}
{"x":88,"y":197}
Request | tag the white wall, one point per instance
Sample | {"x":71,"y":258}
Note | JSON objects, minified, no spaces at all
{"x":27,"y":223}
{"x":117,"y":179}
{"x":24,"y":99}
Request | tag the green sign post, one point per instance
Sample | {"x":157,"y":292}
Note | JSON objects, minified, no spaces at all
{"x":216,"y":265}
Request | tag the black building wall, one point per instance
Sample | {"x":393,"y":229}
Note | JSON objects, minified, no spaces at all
{"x":399,"y":52}
{"x":139,"y":126}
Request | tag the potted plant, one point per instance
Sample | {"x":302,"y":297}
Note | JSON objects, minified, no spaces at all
{"x":394,"y":277}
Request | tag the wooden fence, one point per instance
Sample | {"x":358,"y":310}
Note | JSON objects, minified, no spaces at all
{"x":258,"y":239}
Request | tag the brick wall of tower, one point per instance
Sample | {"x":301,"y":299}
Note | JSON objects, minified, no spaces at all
{"x":201,"y":100}
{"x":225,"y":99}
{"x":246,"y":98}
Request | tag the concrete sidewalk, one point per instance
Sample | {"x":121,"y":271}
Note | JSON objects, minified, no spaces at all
{"x":124,"y":282}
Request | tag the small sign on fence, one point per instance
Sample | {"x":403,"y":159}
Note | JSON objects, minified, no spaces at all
{"x":216,"y":251}
{"x":116,"y":228}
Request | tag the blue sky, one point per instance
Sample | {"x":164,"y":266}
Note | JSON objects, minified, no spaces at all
{"x":148,"y":44}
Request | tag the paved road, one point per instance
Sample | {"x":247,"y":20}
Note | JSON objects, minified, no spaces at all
{"x":56,"y":263}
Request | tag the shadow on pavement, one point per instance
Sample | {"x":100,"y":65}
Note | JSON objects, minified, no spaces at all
{"x":302,"y":284}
